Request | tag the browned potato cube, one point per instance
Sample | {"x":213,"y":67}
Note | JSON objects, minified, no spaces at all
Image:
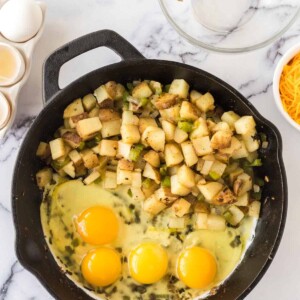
{"x":89,"y":158}
{"x":88,"y":127}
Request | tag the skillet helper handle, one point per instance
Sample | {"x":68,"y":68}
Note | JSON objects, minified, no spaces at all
{"x":101,"y":38}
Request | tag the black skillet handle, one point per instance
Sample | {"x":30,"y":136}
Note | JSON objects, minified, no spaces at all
{"x":101,"y":38}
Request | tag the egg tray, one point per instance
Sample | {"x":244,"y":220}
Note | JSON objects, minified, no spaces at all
{"x":26,"y":49}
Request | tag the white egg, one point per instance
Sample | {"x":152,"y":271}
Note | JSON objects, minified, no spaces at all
{"x":20,"y":20}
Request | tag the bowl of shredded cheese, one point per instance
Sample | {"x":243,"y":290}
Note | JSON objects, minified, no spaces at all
{"x":286,"y":86}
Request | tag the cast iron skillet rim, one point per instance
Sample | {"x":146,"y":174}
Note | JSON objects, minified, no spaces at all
{"x":220,"y":83}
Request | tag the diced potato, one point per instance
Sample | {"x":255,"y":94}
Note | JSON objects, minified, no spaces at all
{"x":124,"y":164}
{"x":111,"y":128}
{"x":156,"y":87}
{"x":108,"y":148}
{"x":241,"y":152}
{"x":67,"y":124}
{"x":200,"y":130}
{"x":244,"y":125}
{"x":75,"y":157}
{"x":137,"y":194}
{"x":80,"y":170}
{"x":90,"y":159}
{"x":173,"y":155}
{"x":242,"y":200}
{"x":186,"y":176}
{"x":181,"y":207}
{"x":130,"y":134}
{"x":110,"y":180}
{"x":154,"y":137}
{"x":221,"y":140}
{"x":188,"y":111}
{"x":254,"y":209}
{"x":74,"y":120}
{"x":210,"y":190}
{"x":44,"y":177}
{"x":221,"y":126}
{"x":230,"y":117}
{"x":205,"y":102}
{"x":173,"y":170}
{"x":194,"y":96}
{"x":108,"y":114}
{"x":202,"y":145}
{"x":63,"y":130}
{"x":73,"y":109}
{"x":111,"y":88}
{"x":207,"y":165}
{"x":177,"y":188}
{"x":124,"y":177}
{"x":189,"y":153}
{"x":145,"y":123}
{"x":128,"y":118}
{"x":176,"y":223}
{"x":120,"y":89}
{"x":43,"y":150}
{"x":224,"y":158}
{"x":180,"y":136}
{"x":234,"y":174}
{"x":142,"y":90}
{"x":234,"y":215}
{"x":179,"y":87}
{"x":152,"y":157}
{"x":152,"y":173}
{"x":252,"y":156}
{"x":136,"y":179}
{"x":165,"y":195}
{"x":235,"y":145}
{"x":88,"y":126}
{"x":89,"y":102}
{"x":225,"y":196}
{"x":250,"y":141}
{"x":201,"y":220}
{"x":217,"y":169}
{"x":171,"y":114}
{"x":91,"y":178}
{"x":202,"y":207}
{"x":72,"y":139}
{"x":70,"y":169}
{"x":124,"y":150}
{"x":215,"y":222}
{"x":169,"y":129}
{"x":149,"y":187}
{"x":57,"y":148}
{"x":102,"y":94}
{"x":153,"y":206}
{"x":165,"y":101}
{"x":243,"y":184}
{"x":94,"y":112}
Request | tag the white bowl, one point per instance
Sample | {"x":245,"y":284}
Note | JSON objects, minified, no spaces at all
{"x":276,"y":79}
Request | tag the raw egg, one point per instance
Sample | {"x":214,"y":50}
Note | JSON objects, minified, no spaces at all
{"x":196,"y":267}
{"x":98,"y":225}
{"x":101,"y":267}
{"x":148,"y":263}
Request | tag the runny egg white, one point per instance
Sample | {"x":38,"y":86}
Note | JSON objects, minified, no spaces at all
{"x":113,"y":250}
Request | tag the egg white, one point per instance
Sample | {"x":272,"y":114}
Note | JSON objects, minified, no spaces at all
{"x":67,"y":200}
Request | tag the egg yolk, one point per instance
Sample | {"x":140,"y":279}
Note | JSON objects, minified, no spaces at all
{"x":148,"y":263}
{"x":196,"y":267}
{"x":101,"y":267}
{"x":97,"y":225}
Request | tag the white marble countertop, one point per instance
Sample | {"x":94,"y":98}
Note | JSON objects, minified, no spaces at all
{"x":143,"y":24}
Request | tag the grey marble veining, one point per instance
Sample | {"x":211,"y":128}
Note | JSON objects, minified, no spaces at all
{"x":143,"y":24}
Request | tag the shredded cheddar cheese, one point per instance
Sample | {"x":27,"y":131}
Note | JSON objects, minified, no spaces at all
{"x":289,"y":88}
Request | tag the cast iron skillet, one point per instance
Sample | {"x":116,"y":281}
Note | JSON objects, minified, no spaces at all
{"x":31,"y":248}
